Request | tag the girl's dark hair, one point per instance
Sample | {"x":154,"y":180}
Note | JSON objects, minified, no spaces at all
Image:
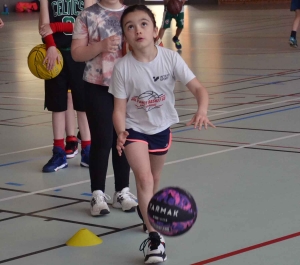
{"x":133,"y":8}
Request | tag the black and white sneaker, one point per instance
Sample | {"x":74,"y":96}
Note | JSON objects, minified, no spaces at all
{"x":155,"y":250}
{"x":125,"y":200}
{"x":140,"y":215}
{"x":78,"y":137}
{"x":71,"y":148}
{"x":98,"y":203}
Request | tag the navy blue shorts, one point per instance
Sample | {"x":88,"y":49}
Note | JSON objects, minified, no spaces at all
{"x":56,"y":89}
{"x":158,"y":144}
{"x":295,"y":4}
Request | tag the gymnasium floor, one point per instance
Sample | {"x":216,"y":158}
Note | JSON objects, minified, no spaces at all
{"x":244,"y":175}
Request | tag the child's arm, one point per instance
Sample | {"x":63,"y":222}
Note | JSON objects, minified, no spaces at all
{"x":201,"y":95}
{"x":119,"y":116}
{"x":83,"y":51}
{"x":46,"y":28}
{"x":1,"y":23}
{"x":52,"y":54}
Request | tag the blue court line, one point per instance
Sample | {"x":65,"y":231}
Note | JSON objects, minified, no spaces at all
{"x":86,"y":194}
{"x":17,"y":162}
{"x":270,"y":83}
{"x":183,"y":130}
{"x":14,"y":184}
{"x":239,"y":119}
{"x":58,"y":190}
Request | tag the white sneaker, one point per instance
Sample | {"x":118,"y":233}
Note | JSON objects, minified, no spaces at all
{"x":125,"y":200}
{"x":156,"y":248}
{"x":98,"y":203}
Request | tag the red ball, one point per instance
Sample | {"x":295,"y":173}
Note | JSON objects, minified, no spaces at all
{"x":174,"y":6}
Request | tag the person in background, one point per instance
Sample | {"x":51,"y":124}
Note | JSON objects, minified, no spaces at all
{"x":295,"y":6}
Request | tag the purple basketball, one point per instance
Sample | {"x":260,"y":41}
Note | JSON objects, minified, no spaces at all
{"x":172,"y":211}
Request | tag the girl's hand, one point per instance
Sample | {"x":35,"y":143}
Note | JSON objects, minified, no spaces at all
{"x":51,"y":58}
{"x":111,"y":44}
{"x":1,"y":23}
{"x":45,"y":30}
{"x":121,"y":141}
{"x":200,"y":119}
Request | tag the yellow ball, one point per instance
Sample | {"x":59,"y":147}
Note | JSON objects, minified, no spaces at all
{"x":35,"y":63}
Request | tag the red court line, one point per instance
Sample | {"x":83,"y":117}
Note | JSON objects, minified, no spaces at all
{"x":243,"y":250}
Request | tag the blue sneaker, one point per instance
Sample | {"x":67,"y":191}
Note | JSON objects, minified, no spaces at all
{"x":177,"y":43}
{"x":85,"y":156}
{"x":293,"y":42}
{"x":57,"y":161}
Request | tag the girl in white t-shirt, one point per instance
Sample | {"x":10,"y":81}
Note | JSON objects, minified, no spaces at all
{"x":142,"y":84}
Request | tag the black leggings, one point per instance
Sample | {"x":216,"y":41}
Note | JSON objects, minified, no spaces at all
{"x":99,"y":109}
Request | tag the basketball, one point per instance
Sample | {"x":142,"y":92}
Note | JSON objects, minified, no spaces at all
{"x":174,"y":6}
{"x":172,"y":211}
{"x":35,"y":63}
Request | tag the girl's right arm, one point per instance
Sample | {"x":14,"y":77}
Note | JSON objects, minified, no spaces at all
{"x":83,"y":51}
{"x":52,"y":55}
{"x":119,"y":122}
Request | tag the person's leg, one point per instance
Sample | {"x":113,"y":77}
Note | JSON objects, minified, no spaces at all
{"x":58,"y":159}
{"x":166,"y":23}
{"x":78,"y":95}
{"x":56,"y":102}
{"x":71,"y":140}
{"x":161,"y":33}
{"x":178,"y":32}
{"x":137,"y":154}
{"x":122,"y":197}
{"x":85,"y":138}
{"x":179,"y":24}
{"x":120,"y":165}
{"x":293,"y":37}
{"x":70,"y":117}
{"x":83,"y":126}
{"x":157,"y":163}
{"x":99,"y":110}
{"x":58,"y":124}
{"x":138,"y":158}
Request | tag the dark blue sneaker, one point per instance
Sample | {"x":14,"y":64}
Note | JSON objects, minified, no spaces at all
{"x":177,"y":43}
{"x":293,"y":42}
{"x":85,"y":156}
{"x":57,"y":161}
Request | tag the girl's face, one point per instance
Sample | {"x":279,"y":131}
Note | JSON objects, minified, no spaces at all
{"x":139,"y":30}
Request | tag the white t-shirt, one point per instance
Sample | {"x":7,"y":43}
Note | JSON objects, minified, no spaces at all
{"x":148,"y":88}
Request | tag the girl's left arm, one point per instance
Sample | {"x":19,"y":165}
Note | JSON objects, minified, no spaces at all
{"x":199,"y":91}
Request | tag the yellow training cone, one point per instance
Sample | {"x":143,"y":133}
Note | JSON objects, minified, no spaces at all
{"x":84,"y":238}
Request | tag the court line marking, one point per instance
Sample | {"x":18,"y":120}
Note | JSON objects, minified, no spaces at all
{"x":22,"y":151}
{"x":253,"y":107}
{"x":21,"y":97}
{"x":221,"y":111}
{"x":167,"y":163}
{"x":243,"y":250}
{"x":217,"y":114}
